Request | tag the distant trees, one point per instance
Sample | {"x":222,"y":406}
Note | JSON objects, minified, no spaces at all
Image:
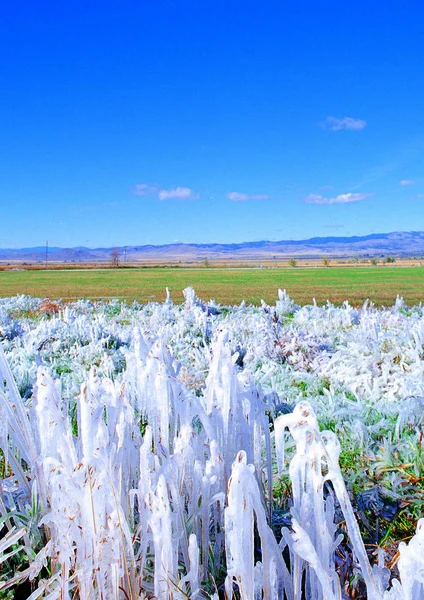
{"x":114,"y":257}
{"x":292,"y":262}
{"x":326,"y":261}
{"x":374,"y":261}
{"x":388,"y":260}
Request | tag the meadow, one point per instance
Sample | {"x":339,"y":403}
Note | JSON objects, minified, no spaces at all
{"x":380,"y":285}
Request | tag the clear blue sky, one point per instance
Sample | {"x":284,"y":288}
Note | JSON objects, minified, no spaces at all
{"x":153,"y":121}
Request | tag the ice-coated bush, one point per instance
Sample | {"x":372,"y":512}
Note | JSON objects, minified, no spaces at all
{"x":144,"y":454}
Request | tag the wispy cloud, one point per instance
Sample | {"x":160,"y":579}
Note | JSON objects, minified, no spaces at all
{"x":240,"y":197}
{"x":407,"y":182}
{"x":396,"y":157}
{"x":418,"y":196}
{"x":339,"y":123}
{"x":177,"y":193}
{"x":327,"y":187}
{"x":340,"y":199}
{"x":145,"y":189}
{"x":153,"y":189}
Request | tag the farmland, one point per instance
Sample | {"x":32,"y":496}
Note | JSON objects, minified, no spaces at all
{"x":380,"y":285}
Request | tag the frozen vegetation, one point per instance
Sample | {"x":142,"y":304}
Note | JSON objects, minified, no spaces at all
{"x":200,"y":451}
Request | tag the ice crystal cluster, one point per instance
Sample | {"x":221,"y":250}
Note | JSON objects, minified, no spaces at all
{"x":142,"y":446}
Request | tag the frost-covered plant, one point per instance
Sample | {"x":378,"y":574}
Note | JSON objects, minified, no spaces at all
{"x":144,"y":450}
{"x":411,"y":568}
{"x":128,"y":507}
{"x":270,"y":577}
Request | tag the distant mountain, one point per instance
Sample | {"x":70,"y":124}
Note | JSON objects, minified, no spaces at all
{"x":398,"y":243}
{"x":41,"y":249}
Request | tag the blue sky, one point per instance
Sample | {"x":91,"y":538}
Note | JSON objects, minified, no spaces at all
{"x":152,"y":121}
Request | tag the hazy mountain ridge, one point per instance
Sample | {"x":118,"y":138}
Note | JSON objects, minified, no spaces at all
{"x":395,"y":243}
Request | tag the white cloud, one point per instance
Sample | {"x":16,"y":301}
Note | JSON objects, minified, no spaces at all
{"x":339,"y":123}
{"x":419,"y":196}
{"x":178,"y":193}
{"x":240,"y":197}
{"x":153,"y":189}
{"x":340,"y":199}
{"x":237,"y":197}
{"x":407,"y":182}
{"x":145,"y":189}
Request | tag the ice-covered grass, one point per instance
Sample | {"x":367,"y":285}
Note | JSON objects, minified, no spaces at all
{"x":196,"y":451}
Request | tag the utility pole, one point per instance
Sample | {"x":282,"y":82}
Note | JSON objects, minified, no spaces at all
{"x":47,"y":251}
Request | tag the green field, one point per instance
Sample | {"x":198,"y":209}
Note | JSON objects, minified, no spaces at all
{"x":226,"y":286}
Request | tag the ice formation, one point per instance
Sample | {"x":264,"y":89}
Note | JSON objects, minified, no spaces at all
{"x":140,"y":452}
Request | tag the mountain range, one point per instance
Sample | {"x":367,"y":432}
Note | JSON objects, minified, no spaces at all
{"x":397,"y":244}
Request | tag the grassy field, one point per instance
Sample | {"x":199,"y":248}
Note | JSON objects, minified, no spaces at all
{"x":226,"y":286}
